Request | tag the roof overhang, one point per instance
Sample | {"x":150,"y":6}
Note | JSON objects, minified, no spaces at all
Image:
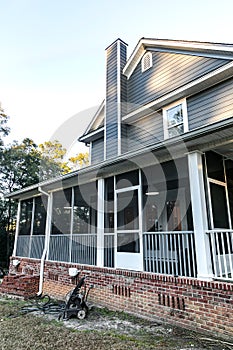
{"x":215,"y":136}
{"x":92,"y":136}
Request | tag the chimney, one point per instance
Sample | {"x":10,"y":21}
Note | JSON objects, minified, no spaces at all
{"x":116,"y":55}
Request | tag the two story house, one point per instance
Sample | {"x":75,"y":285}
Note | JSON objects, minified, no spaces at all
{"x":150,"y":219}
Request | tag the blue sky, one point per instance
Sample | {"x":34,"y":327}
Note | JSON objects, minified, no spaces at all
{"x":52,"y":61}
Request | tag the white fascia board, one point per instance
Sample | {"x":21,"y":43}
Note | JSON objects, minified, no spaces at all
{"x":216,"y":50}
{"x":91,"y":134}
{"x":99,"y":110}
{"x":118,"y":98}
{"x":182,"y":90}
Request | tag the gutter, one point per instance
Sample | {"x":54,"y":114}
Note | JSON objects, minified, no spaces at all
{"x":46,"y":244}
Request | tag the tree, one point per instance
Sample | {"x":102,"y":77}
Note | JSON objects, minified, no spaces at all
{"x":19,"y":164}
{"x":4,"y":129}
{"x":79,"y":161}
{"x":52,"y":160}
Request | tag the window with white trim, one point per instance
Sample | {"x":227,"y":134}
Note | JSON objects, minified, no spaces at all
{"x":146,"y":61}
{"x":175,"y":119}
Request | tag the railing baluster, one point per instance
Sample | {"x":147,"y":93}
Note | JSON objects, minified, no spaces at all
{"x":169,"y":253}
{"x":221,"y":244}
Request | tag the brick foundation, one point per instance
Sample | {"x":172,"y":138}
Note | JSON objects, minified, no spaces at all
{"x":186,"y":302}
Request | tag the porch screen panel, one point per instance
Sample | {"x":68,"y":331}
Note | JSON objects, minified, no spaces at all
{"x":127,"y":222}
{"x":84,"y":232}
{"x":85,"y":209}
{"x":25,"y":221}
{"x":39,"y":222}
{"x":61,"y":215}
{"x":219,"y":206}
{"x":59,"y":246}
{"x":109,"y":205}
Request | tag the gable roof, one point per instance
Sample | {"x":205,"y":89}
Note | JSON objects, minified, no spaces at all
{"x":207,"y":49}
{"x":95,"y":127}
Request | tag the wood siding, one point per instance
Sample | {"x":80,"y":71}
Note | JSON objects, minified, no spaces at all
{"x":210,"y":106}
{"x":169,"y":72}
{"x":97,"y":151}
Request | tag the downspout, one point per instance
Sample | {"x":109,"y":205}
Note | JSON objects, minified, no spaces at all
{"x":42,"y":260}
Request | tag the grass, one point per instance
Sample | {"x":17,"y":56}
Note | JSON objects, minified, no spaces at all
{"x":103,"y":329}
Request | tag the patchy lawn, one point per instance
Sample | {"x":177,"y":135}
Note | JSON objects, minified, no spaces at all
{"x":102,"y":329}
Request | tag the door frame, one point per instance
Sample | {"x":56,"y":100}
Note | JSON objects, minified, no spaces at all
{"x":135,"y":259}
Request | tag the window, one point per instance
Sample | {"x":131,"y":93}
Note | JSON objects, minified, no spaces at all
{"x":146,"y":61}
{"x":175,"y":119}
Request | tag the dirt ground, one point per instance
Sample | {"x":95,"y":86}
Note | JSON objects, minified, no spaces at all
{"x":24,"y":326}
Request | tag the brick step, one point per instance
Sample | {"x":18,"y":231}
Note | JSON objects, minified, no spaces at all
{"x":21,"y":285}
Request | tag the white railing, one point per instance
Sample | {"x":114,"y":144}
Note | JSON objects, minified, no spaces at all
{"x":78,"y":248}
{"x":23,"y":244}
{"x":30,"y":246}
{"x":221,"y":247}
{"x":171,"y":253}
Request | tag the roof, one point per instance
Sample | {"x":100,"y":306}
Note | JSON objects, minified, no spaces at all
{"x":216,"y":136}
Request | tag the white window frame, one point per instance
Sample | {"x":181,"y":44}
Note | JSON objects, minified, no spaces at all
{"x":183,"y":103}
{"x":147,"y":54}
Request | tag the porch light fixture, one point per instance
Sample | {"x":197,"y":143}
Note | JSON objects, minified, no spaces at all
{"x":73,"y":272}
{"x":15,"y":262}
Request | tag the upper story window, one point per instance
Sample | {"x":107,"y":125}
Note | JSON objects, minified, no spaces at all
{"x":146,"y":61}
{"x":175,"y":119}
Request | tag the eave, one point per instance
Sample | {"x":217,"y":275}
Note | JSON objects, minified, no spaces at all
{"x":92,"y":136}
{"x":212,"y":136}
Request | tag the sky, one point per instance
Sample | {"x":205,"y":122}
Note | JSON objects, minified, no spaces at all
{"x":52,"y":57}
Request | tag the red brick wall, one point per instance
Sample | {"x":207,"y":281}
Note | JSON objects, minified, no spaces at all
{"x":187,"y":302}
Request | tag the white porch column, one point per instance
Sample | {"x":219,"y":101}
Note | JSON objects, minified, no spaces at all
{"x":100,"y":224}
{"x":17,"y":229}
{"x":204,"y":266}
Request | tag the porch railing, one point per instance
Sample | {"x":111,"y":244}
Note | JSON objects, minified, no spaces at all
{"x":171,"y":253}
{"x":30,"y":246}
{"x":78,"y":248}
{"x":221,"y":247}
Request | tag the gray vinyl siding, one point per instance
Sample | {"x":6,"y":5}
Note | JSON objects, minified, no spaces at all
{"x":111,"y":102}
{"x":210,"y":106}
{"x":97,"y":151}
{"x":146,"y":131}
{"x":111,"y":96}
{"x":169,"y":72}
